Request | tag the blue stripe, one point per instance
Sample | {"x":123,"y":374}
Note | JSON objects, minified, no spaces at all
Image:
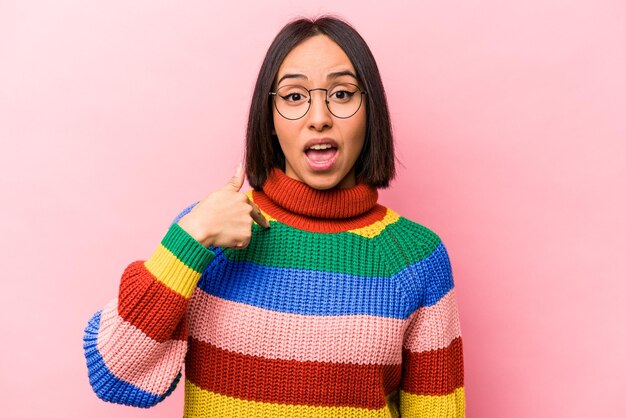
{"x":436,"y":267}
{"x":184,"y":212}
{"x":105,"y":384}
{"x":428,"y":280}
{"x":311,"y":292}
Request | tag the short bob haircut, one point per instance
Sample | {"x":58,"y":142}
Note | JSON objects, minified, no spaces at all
{"x":375,"y":165}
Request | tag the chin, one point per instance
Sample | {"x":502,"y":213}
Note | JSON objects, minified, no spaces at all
{"x":321,"y":181}
{"x":322,"y":184}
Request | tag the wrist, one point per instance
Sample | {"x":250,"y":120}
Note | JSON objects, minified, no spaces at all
{"x":195,"y":232}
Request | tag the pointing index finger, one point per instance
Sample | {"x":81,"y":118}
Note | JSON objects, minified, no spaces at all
{"x":258,"y":216}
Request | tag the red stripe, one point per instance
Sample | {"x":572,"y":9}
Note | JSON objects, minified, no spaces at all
{"x":435,"y":372}
{"x":150,"y":305}
{"x":377,"y":213}
{"x":289,"y":381}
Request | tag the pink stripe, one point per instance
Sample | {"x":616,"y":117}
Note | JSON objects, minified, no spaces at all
{"x":136,"y":358}
{"x":435,"y":326}
{"x":246,"y":329}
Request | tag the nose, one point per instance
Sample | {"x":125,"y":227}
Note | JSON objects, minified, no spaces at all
{"x":319,"y":117}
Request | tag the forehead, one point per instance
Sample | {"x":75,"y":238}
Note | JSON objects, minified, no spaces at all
{"x":315,"y":58}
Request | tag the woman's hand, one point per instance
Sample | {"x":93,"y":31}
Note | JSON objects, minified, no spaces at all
{"x":224,"y":218}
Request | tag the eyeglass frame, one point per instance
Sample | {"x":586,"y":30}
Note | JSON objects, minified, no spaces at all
{"x":274,"y":93}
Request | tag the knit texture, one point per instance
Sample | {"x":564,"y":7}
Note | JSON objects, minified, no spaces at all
{"x":342,"y":308}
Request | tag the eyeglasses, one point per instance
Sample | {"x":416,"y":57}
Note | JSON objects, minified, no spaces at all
{"x":293,"y":102}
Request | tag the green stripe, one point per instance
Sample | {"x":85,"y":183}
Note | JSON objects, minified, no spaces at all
{"x":285,"y":246}
{"x":187,"y":249}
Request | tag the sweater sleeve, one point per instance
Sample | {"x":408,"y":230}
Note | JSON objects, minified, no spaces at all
{"x":136,"y":345}
{"x":432,"y":356}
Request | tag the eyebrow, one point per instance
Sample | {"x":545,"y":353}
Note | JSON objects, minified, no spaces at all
{"x":330,"y":76}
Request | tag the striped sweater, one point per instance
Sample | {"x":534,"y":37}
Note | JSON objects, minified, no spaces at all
{"x":342,"y":308}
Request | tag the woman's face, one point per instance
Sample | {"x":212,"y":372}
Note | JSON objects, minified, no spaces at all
{"x":311,"y":65}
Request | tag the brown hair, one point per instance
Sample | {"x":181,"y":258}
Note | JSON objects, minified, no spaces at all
{"x":376,"y":163}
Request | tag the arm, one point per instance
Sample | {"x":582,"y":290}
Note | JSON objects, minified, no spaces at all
{"x":136,"y":345}
{"x":432,"y":367}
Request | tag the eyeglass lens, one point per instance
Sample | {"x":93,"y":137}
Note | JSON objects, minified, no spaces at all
{"x":294,"y":101}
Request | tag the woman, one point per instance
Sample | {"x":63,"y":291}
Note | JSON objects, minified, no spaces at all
{"x":303,"y":297}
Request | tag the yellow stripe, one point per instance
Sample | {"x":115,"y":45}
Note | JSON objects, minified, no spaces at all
{"x":423,"y":406}
{"x":172,"y":272}
{"x":376,"y":228}
{"x":200,"y":403}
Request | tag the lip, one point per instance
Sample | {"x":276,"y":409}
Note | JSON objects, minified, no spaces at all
{"x":317,"y":141}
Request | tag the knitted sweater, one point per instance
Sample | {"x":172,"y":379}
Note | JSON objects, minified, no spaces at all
{"x":342,"y":308}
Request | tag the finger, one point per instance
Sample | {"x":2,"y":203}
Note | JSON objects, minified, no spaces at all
{"x":236,"y":181}
{"x":258,"y":216}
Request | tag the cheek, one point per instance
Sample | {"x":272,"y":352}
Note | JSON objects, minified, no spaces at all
{"x":282,"y":128}
{"x":358,"y":137}
{"x":358,"y":130}
{"x":285,"y":140}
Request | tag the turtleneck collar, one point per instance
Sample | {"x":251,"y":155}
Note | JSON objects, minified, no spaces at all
{"x":297,"y":204}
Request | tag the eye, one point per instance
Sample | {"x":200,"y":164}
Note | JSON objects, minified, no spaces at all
{"x":342,"y":93}
{"x":293,"y":95}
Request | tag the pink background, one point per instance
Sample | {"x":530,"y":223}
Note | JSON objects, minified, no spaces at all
{"x":510,"y":122}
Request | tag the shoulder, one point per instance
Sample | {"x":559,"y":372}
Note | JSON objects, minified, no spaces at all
{"x":415,"y":238}
{"x":182,"y":213}
{"x":422,"y":264}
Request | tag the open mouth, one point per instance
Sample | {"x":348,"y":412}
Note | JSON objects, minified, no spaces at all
{"x":321,"y":153}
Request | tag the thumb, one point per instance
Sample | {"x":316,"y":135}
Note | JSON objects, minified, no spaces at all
{"x":236,"y":181}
